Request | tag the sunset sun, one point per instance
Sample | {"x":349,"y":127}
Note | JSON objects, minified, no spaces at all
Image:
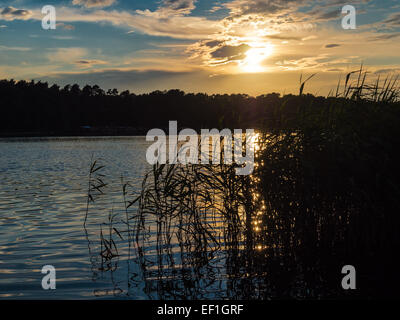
{"x":255,"y":56}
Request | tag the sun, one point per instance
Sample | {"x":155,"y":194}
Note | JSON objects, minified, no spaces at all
{"x":255,"y":56}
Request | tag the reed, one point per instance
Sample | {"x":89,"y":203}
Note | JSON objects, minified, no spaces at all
{"x":324,"y":194}
{"x":95,"y":185}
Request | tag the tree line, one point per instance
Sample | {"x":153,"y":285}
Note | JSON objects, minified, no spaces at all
{"x":31,"y":108}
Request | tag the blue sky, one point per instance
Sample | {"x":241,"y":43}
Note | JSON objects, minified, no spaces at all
{"x":231,"y":46}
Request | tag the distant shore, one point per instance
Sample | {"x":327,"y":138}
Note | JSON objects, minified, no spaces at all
{"x":89,"y":132}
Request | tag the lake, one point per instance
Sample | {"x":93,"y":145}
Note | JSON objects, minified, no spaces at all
{"x":43,"y":196}
{"x":186,"y":241}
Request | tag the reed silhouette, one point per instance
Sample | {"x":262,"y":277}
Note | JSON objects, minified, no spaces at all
{"x":324,"y":194}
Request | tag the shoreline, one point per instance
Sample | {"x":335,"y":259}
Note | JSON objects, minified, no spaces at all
{"x":80,"y":133}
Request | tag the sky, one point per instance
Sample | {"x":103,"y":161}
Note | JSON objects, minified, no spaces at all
{"x":233,"y":46}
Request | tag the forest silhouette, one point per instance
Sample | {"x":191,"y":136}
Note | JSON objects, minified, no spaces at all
{"x":35,"y":108}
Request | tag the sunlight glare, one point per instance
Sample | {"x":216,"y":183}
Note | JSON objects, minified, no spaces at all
{"x":255,"y":56}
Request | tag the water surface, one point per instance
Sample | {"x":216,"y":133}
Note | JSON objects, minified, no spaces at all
{"x":43,"y":194}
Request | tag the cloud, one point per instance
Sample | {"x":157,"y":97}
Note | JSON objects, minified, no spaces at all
{"x":385,"y":71}
{"x":155,"y":23}
{"x":169,"y":20}
{"x":320,"y":14}
{"x":93,"y":3}
{"x":393,"y":20}
{"x":305,"y":62}
{"x":180,"y":7}
{"x":65,"y":26}
{"x":88,"y":63}
{"x":166,"y":9}
{"x":273,"y":7}
{"x":73,"y":56}
{"x":230,"y":53}
{"x":334,"y":70}
{"x":217,"y":52}
{"x":384,"y":36}
{"x":67,"y":55}
{"x":6,"y":48}
{"x":332,"y":45}
{"x":215,"y":8}
{"x":11,"y":13}
{"x":246,"y":7}
{"x":63,"y":38}
{"x":213,"y":43}
{"x":265,"y":19}
{"x":340,"y":3}
{"x":282,"y":37}
{"x":330,"y":15}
